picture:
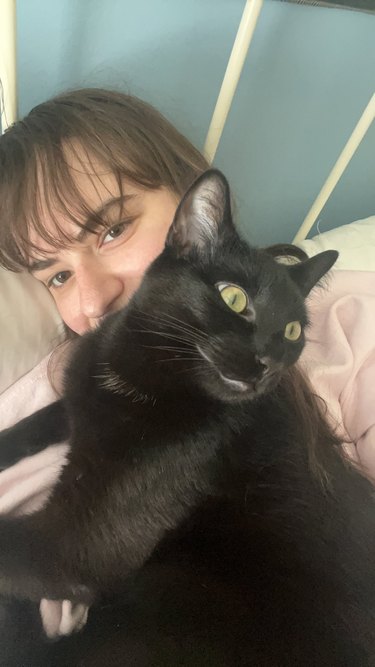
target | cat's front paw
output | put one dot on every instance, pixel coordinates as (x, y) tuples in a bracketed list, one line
[(62, 617)]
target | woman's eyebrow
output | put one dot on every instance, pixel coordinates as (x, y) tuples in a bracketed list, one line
[(41, 264), (89, 227), (93, 221)]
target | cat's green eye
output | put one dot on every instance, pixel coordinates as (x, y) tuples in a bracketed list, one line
[(293, 331), (234, 297)]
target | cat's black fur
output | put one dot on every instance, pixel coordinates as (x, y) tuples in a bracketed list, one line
[(206, 509)]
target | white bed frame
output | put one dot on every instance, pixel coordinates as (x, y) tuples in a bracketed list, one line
[(8, 99), (232, 74)]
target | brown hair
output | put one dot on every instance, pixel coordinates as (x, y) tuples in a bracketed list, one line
[(127, 136)]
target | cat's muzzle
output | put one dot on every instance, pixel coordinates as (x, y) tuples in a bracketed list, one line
[(239, 384)]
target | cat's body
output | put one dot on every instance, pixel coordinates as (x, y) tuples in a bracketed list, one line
[(205, 499)]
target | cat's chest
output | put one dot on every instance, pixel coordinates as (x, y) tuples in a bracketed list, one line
[(148, 461), (129, 433)]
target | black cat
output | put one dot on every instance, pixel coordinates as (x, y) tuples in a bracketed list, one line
[(206, 510)]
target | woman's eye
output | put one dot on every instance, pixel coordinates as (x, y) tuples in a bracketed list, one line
[(235, 298), (59, 279), (293, 331), (114, 232)]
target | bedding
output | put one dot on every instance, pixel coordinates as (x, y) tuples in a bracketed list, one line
[(30, 325), (355, 243), (339, 359)]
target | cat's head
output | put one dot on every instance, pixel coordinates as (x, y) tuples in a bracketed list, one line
[(213, 313)]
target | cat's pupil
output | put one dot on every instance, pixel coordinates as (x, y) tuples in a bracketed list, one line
[(293, 331), (235, 298)]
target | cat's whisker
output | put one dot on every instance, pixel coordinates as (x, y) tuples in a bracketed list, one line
[(115, 384), (167, 317), (182, 334), (170, 348), (186, 325), (170, 359), (178, 325), (163, 334), (198, 367)]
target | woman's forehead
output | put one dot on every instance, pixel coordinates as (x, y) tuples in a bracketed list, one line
[(83, 195), (62, 211), (94, 181)]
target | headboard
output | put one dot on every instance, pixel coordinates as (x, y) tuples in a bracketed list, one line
[(228, 88), (357, 5)]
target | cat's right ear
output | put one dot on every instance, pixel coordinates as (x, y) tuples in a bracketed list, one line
[(202, 217), (307, 274)]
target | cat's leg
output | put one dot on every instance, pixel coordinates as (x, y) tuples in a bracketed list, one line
[(74, 555), (77, 546), (21, 634), (99, 525), (29, 436), (33, 564)]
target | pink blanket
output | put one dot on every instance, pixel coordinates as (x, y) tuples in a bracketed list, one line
[(339, 359)]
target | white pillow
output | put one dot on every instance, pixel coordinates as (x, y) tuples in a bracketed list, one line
[(355, 243), (30, 326)]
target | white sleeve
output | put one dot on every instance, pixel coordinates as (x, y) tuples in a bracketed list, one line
[(28, 394), (25, 486)]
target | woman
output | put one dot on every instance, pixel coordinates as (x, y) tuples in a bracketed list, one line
[(89, 183)]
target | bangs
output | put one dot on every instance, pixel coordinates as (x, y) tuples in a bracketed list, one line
[(88, 133), (47, 191)]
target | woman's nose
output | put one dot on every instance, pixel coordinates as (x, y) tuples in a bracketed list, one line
[(98, 291)]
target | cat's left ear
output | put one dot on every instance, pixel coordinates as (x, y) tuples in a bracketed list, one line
[(308, 273), (203, 216)]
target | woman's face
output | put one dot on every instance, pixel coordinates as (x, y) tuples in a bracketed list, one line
[(98, 273)]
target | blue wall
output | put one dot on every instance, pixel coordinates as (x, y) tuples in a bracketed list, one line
[(309, 74)]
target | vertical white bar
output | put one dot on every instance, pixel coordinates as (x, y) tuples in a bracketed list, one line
[(232, 74), (342, 162), (8, 62)]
